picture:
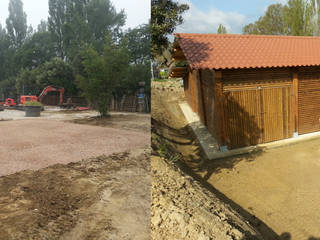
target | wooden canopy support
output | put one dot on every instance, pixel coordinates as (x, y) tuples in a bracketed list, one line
[(178, 72)]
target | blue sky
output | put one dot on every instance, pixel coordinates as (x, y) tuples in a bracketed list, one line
[(206, 15)]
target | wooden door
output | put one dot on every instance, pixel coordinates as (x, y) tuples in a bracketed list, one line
[(309, 102), (257, 114)]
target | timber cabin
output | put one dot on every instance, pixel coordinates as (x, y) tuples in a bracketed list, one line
[(251, 89)]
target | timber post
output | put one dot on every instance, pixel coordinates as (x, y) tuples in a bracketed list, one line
[(219, 101), (295, 103)]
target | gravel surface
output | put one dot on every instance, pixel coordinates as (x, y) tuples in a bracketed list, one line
[(37, 143)]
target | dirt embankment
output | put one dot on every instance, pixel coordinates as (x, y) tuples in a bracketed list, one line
[(183, 208), (98, 198)]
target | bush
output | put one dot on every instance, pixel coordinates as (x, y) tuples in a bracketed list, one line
[(33, 104)]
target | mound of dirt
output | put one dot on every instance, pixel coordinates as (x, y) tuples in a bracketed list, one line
[(182, 209), (100, 198)]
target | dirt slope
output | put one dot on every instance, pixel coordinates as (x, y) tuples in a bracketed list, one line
[(182, 209)]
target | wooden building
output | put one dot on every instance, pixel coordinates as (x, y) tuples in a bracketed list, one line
[(250, 89)]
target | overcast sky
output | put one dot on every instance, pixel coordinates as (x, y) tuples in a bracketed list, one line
[(138, 11), (204, 16)]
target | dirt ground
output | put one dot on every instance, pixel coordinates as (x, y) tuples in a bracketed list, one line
[(276, 190), (95, 199), (34, 144), (101, 197), (182, 209)]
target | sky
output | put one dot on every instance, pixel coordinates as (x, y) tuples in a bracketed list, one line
[(138, 11), (204, 16)]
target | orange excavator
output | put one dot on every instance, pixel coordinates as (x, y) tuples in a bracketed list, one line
[(52, 89), (25, 98)]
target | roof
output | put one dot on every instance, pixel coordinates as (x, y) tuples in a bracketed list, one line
[(227, 51)]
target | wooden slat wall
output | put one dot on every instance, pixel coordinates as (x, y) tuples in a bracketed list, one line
[(257, 106), (193, 93), (207, 77), (243, 124), (309, 100)]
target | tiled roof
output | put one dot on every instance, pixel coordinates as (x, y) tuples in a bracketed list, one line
[(223, 51)]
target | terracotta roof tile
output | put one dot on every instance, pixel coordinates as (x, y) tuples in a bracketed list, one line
[(222, 51)]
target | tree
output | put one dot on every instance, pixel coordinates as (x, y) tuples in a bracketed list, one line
[(43, 26), (103, 19), (56, 21), (74, 23), (165, 16), (103, 74), (139, 44), (272, 23), (298, 17), (222, 29), (35, 51), (294, 18), (16, 23)]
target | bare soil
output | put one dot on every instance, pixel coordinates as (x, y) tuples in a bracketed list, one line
[(100, 197), (129, 121), (34, 144)]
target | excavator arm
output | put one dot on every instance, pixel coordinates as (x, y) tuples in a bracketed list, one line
[(52, 89)]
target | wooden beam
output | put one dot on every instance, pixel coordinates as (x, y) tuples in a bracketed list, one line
[(295, 102), (203, 104), (220, 111)]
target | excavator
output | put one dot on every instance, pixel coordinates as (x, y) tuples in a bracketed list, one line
[(25, 98), (9, 102)]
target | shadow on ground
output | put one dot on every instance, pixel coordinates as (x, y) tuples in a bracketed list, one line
[(191, 160)]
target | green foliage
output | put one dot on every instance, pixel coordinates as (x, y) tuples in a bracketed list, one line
[(164, 74), (222, 29), (272, 22), (54, 72), (165, 16), (16, 23), (139, 44), (35, 51), (294, 18), (74, 23), (33, 104), (297, 16), (58, 51), (103, 74)]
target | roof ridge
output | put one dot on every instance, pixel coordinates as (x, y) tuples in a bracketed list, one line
[(247, 35)]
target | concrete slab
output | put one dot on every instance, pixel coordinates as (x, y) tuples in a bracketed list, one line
[(210, 145)]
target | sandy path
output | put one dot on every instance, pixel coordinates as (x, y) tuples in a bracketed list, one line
[(34, 144)]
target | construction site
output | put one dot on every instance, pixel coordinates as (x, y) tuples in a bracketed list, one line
[(70, 174)]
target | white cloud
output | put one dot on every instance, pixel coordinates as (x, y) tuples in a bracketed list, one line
[(197, 21), (138, 11)]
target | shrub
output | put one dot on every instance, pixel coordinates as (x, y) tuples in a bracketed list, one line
[(33, 103)]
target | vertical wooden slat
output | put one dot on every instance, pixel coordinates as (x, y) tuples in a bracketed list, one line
[(202, 98), (219, 95), (295, 101)]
